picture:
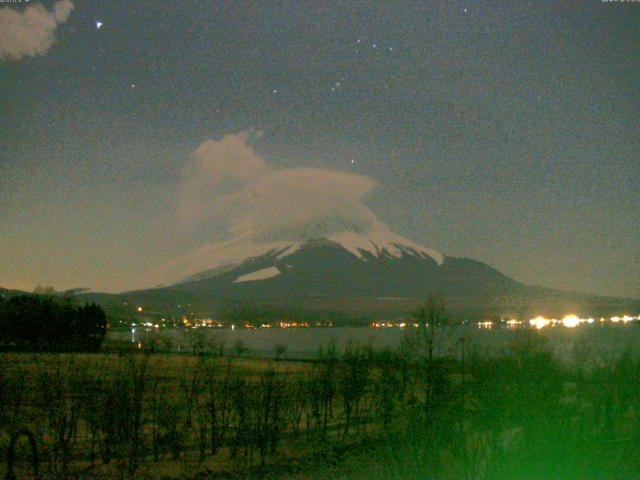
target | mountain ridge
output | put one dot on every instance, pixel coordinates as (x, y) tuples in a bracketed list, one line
[(354, 274), (211, 259), (322, 275)]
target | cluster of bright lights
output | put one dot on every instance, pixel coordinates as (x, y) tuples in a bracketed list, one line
[(286, 324), (514, 323), (207, 323), (271, 325), (485, 325), (289, 325), (393, 324), (568, 321), (572, 321), (624, 319), (539, 322)]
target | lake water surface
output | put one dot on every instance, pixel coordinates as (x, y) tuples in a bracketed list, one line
[(598, 342)]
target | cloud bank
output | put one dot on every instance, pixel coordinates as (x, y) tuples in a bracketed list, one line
[(30, 32), (228, 185)]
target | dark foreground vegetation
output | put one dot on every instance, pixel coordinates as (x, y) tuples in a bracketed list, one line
[(50, 323), (355, 414)]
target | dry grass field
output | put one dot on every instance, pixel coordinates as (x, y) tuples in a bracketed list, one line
[(355, 414)]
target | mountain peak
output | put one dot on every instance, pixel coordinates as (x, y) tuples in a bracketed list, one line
[(213, 259), (382, 240)]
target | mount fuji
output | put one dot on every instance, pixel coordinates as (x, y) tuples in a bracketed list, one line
[(214, 260), (357, 273)]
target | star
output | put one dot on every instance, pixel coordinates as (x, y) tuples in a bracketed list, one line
[(465, 10), (98, 24)]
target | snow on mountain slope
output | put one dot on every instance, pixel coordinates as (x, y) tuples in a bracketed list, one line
[(377, 241), (263, 274), (213, 259)]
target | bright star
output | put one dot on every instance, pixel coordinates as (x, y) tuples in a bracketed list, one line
[(98, 24)]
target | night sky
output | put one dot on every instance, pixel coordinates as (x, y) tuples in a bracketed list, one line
[(507, 132)]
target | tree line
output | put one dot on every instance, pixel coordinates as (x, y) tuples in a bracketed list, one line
[(410, 413), (50, 323), (423, 416)]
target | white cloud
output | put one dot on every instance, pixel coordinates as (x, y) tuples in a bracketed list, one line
[(30, 32), (229, 186), (216, 175)]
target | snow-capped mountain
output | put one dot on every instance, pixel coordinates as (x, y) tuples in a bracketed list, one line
[(349, 268), (357, 273), (214, 259)]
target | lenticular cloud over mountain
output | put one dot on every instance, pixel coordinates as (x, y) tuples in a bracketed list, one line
[(228, 184), (259, 211)]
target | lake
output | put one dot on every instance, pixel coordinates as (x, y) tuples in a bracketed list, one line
[(600, 342)]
